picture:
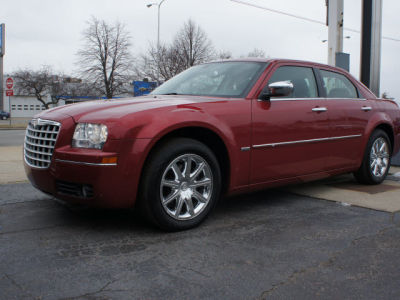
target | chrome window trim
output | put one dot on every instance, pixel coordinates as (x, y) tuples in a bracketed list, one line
[(296, 99), (272, 145), (346, 99), (84, 163), (319, 98)]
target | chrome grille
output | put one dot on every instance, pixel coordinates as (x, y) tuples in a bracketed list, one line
[(40, 139)]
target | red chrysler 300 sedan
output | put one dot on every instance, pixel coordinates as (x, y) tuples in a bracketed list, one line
[(221, 127)]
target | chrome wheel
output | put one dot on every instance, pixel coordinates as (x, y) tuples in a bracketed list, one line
[(379, 157), (186, 186)]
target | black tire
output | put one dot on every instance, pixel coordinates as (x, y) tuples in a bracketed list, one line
[(153, 188), (365, 174), (3, 117)]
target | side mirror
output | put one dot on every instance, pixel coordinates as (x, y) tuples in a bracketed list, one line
[(276, 89)]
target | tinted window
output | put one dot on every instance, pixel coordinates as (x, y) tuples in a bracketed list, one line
[(302, 78), (337, 85)]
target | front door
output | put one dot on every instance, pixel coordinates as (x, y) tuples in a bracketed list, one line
[(288, 133)]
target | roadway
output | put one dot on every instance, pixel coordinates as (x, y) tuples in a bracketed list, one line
[(267, 245)]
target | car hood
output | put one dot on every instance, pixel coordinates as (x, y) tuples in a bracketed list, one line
[(111, 110)]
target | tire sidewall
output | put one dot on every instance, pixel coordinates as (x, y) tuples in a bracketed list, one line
[(159, 161), (376, 135)]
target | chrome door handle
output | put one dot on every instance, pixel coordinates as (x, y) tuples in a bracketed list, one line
[(319, 109), (366, 108)]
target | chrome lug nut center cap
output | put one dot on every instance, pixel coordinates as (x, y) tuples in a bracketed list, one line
[(184, 186)]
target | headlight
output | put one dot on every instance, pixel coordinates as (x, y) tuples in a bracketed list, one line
[(88, 135)]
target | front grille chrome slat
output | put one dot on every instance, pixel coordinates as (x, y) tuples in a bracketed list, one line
[(40, 140)]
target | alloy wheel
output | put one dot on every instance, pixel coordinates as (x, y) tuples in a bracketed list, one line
[(379, 157), (186, 186)]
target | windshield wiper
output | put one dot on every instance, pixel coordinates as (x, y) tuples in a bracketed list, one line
[(170, 94)]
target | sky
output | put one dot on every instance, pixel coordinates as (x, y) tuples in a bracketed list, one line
[(49, 32)]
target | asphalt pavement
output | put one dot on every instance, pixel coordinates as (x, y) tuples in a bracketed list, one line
[(11, 137), (268, 245)]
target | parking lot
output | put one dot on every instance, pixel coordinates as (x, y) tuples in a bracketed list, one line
[(273, 244)]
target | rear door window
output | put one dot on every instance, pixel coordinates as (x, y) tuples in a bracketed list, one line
[(337, 85)]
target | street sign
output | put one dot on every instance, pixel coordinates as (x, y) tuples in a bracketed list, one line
[(9, 93), (9, 83)]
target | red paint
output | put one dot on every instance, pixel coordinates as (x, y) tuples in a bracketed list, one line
[(135, 125), (9, 93)]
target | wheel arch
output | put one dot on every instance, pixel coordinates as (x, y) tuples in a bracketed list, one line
[(204, 135), (387, 128)]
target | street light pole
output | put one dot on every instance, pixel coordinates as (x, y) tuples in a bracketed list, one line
[(158, 33), (158, 20)]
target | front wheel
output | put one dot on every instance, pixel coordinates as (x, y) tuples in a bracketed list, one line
[(181, 184), (376, 161)]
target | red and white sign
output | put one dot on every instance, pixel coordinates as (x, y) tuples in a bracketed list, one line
[(9, 83), (9, 93)]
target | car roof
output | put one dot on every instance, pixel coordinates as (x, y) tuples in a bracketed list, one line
[(280, 60)]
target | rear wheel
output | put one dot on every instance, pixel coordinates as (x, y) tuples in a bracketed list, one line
[(181, 184), (376, 161)]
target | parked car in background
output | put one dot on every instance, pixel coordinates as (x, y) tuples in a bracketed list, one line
[(218, 128), (4, 115)]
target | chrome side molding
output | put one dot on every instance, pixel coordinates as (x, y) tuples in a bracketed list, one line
[(307, 141)]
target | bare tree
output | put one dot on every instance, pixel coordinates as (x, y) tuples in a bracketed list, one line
[(224, 54), (43, 84), (162, 64), (49, 87), (190, 47), (193, 44), (105, 59), (256, 53)]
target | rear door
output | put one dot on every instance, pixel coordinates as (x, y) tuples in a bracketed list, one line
[(348, 113), (287, 132)]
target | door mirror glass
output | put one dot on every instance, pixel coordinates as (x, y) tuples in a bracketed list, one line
[(276, 89)]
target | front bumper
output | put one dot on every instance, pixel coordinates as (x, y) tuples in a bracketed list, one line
[(79, 176)]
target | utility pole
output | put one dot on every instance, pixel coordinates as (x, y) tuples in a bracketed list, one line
[(371, 36), (335, 29), (2, 52)]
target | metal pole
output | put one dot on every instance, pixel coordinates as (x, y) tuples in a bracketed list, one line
[(158, 26), (158, 40), (9, 108), (1, 84), (2, 51), (335, 29), (371, 36)]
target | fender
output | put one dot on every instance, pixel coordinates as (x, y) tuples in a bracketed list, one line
[(234, 133)]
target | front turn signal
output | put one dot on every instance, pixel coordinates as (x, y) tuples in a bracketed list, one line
[(109, 160)]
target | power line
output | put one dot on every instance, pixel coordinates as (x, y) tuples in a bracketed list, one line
[(303, 18)]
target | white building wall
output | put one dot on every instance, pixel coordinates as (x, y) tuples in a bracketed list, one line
[(24, 106)]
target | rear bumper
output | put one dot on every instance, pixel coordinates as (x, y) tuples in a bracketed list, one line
[(78, 175)]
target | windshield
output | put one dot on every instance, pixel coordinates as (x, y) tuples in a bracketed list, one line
[(222, 79)]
